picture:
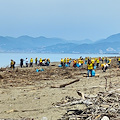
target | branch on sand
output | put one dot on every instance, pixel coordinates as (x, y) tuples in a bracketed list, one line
[(63, 85)]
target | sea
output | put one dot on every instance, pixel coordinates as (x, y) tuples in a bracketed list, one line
[(5, 58)]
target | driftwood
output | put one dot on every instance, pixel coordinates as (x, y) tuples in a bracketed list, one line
[(104, 105), (96, 75), (86, 102), (10, 111), (63, 85)]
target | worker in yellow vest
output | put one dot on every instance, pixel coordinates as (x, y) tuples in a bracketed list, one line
[(65, 61), (12, 64), (97, 63), (62, 61), (36, 60), (119, 60), (93, 62), (86, 60), (102, 59), (109, 62), (82, 62), (89, 68), (74, 63), (40, 62), (31, 62)]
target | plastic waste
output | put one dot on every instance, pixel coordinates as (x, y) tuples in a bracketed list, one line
[(94, 67), (77, 65), (66, 65), (44, 118), (93, 73), (41, 69), (59, 65), (37, 70)]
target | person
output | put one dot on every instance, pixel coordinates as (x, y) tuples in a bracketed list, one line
[(86, 60), (68, 62), (21, 62), (102, 59), (109, 62), (12, 64), (89, 68), (79, 62), (26, 61), (105, 59), (119, 60), (74, 63), (82, 62), (47, 62), (93, 62), (31, 62), (62, 60), (97, 63), (36, 61), (40, 62), (104, 67)]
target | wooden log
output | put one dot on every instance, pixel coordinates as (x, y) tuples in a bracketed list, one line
[(96, 75), (63, 85)]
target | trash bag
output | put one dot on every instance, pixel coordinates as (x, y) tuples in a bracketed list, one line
[(93, 73), (66, 65), (77, 65), (94, 67), (37, 70), (59, 65)]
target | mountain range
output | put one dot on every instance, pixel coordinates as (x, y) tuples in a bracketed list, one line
[(42, 44)]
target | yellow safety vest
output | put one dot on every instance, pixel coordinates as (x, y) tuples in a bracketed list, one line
[(97, 60), (118, 59), (67, 60), (40, 60), (31, 60), (62, 60), (90, 66)]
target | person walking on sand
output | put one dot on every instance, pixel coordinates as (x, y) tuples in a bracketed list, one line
[(31, 62), (104, 67), (97, 63), (40, 62), (89, 68), (12, 64), (21, 62), (65, 61), (62, 62), (26, 61), (36, 61)]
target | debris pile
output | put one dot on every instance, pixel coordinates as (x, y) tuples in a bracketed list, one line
[(103, 105)]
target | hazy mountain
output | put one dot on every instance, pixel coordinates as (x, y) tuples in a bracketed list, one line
[(87, 41), (57, 45), (112, 38)]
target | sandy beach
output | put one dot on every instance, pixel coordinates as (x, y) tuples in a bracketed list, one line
[(25, 93)]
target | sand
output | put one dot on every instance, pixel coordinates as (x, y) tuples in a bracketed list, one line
[(25, 93)]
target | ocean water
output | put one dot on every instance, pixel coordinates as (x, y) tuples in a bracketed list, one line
[(6, 57)]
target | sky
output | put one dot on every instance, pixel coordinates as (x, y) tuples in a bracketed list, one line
[(67, 19)]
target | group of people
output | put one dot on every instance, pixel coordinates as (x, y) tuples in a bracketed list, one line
[(40, 62), (65, 62), (91, 63)]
